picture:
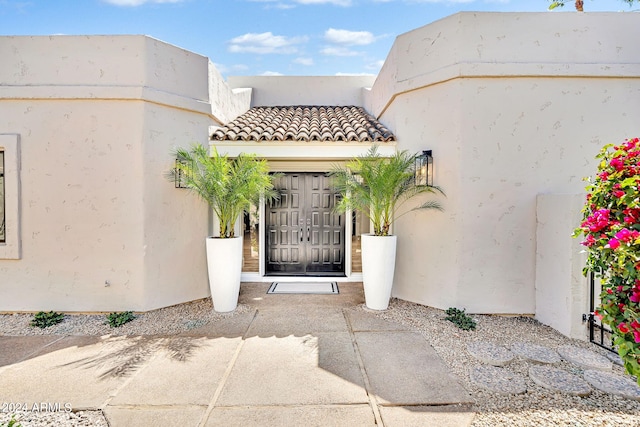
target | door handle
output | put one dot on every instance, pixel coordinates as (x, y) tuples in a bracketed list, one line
[(308, 233), (301, 234)]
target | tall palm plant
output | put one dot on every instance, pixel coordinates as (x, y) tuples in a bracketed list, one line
[(380, 186), (228, 185)]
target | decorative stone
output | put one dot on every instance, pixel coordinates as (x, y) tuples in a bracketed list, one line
[(615, 358), (535, 353), (498, 380), (558, 380), (586, 359), (613, 384), (489, 353)]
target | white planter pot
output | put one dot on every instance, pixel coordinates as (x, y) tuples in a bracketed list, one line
[(224, 261), (378, 266)]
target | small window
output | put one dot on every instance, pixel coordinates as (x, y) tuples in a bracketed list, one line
[(3, 237), (10, 243)]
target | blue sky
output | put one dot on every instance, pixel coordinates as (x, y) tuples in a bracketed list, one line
[(262, 37)]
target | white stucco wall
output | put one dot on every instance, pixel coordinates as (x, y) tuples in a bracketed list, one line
[(561, 289), (304, 90), (97, 118), (512, 105)]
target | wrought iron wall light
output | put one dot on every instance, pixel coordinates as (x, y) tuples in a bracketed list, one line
[(179, 175), (424, 168)]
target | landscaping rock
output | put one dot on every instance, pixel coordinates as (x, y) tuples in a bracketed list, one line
[(614, 384), (615, 358), (586, 359), (535, 353), (489, 353), (559, 380)]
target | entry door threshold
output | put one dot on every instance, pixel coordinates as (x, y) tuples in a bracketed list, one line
[(256, 277)]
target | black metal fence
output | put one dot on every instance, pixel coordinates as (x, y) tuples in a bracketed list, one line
[(599, 334)]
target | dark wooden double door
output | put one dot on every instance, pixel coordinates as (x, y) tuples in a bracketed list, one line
[(304, 236)]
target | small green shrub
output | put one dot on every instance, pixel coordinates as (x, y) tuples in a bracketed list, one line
[(12, 423), (460, 319), (44, 320), (118, 319)]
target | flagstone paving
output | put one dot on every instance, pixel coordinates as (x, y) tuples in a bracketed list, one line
[(558, 380), (613, 384), (494, 377), (584, 358), (490, 353), (535, 353), (615, 358)]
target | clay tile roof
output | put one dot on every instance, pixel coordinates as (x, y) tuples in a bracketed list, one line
[(305, 123)]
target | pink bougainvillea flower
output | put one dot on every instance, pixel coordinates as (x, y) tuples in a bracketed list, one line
[(630, 144), (598, 315), (589, 241), (623, 235), (611, 232), (622, 327), (597, 221), (617, 163)]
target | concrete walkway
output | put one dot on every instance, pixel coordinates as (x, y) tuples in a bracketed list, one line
[(311, 360)]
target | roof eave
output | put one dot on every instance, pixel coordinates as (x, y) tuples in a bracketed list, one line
[(296, 150)]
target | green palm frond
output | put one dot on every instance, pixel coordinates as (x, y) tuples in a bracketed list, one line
[(228, 185), (379, 186)]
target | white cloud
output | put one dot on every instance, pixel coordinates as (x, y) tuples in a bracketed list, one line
[(303, 61), (134, 3), (338, 51), (264, 43), (349, 38), (271, 73)]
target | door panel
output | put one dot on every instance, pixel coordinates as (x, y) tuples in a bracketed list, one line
[(304, 235)]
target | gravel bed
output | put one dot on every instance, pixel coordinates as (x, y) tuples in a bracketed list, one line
[(538, 406), (56, 419), (165, 321)]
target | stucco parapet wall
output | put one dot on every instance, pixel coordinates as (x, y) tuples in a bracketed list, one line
[(226, 103), (503, 45), (122, 93), (270, 91), (116, 67)]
